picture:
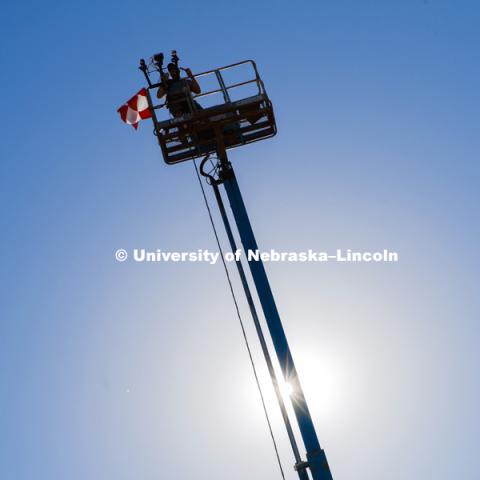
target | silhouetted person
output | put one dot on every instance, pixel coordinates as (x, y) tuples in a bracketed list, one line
[(179, 99)]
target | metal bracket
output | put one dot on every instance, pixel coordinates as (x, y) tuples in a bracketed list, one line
[(303, 465)]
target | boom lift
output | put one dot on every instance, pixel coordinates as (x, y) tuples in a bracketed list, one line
[(240, 113)]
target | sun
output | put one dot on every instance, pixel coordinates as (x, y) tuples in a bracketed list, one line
[(287, 390)]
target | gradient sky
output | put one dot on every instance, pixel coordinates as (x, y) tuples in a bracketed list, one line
[(138, 371)]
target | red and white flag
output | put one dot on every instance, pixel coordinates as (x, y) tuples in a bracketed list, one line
[(135, 109)]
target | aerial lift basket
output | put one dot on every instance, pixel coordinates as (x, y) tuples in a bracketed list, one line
[(219, 118)]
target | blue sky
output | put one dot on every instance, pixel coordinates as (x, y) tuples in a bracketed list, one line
[(137, 370)]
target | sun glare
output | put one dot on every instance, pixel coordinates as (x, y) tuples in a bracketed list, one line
[(323, 380), (286, 389)]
